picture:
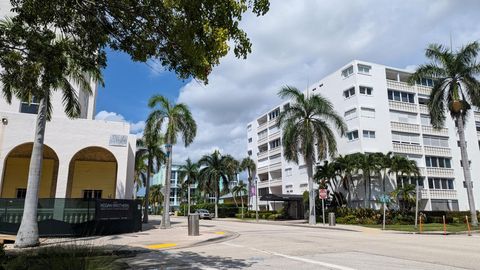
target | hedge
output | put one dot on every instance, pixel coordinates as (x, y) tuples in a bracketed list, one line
[(224, 210)]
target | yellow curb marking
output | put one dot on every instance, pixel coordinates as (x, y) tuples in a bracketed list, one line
[(219, 232), (159, 246)]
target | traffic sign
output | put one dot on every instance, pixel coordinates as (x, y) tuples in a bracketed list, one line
[(384, 198), (322, 193)]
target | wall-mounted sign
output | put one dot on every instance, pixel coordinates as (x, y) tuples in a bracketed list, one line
[(118, 140)]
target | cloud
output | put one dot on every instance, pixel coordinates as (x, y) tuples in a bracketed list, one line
[(298, 44), (156, 68), (136, 128)]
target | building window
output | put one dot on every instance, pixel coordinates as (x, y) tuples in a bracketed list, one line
[(438, 162), (286, 106), (349, 92), (401, 96), (352, 135), (347, 72), (440, 183), (425, 120), (364, 69), (250, 140), (368, 112), (303, 185), (426, 82), (288, 172), (405, 138), (249, 127), (274, 143), (92, 194), (365, 90), (30, 107), (369, 134), (249, 152), (273, 114), (403, 117), (477, 125), (262, 134), (403, 181), (422, 100), (302, 169), (174, 175), (21, 193), (351, 114), (435, 141)]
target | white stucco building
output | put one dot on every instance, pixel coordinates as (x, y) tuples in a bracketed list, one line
[(383, 113)]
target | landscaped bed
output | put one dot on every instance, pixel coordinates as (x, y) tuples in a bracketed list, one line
[(429, 227)]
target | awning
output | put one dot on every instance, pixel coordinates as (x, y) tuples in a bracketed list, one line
[(281, 197)]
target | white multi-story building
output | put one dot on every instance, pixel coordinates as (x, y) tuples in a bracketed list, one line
[(383, 113)]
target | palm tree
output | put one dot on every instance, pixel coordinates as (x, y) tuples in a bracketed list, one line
[(188, 173), (368, 164), (35, 64), (149, 151), (456, 88), (140, 174), (156, 197), (345, 166), (249, 165), (216, 174), (240, 189), (405, 196), (306, 131), (178, 121)]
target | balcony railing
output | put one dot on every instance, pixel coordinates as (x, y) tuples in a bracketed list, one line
[(440, 172), (407, 148), (262, 126), (438, 151), (438, 194), (434, 131), (262, 169), (276, 150), (276, 182), (405, 127), (263, 154), (425, 90), (423, 109), (403, 106), (402, 86)]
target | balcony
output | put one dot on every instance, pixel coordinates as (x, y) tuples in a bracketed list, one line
[(263, 154), (263, 169), (275, 134), (437, 151), (262, 126), (272, 122), (439, 194), (275, 182), (440, 172), (402, 106), (425, 90), (424, 109), (477, 116), (478, 133), (405, 127), (407, 148), (401, 86), (434, 131), (262, 139), (276, 150), (275, 167), (262, 184)]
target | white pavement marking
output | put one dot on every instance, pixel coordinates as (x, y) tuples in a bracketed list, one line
[(325, 264)]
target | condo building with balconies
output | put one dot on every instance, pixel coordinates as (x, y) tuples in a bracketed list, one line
[(384, 113)]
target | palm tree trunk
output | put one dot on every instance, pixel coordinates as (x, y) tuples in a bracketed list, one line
[(365, 180), (234, 199), (147, 191), (166, 201), (249, 189), (188, 195), (216, 204), (312, 220), (466, 171), (242, 204), (27, 235)]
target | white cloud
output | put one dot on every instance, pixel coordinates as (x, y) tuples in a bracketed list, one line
[(299, 43), (136, 128)]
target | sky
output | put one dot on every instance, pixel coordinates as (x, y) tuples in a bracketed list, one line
[(296, 43)]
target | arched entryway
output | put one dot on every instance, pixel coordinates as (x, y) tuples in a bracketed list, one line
[(15, 173), (92, 174)]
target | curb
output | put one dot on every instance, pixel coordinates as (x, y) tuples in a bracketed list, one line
[(295, 225)]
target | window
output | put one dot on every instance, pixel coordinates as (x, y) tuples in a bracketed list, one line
[(369, 134), (364, 69), (477, 125), (351, 114), (422, 100), (262, 134), (440, 183), (249, 140), (403, 117), (426, 82), (302, 169), (437, 162), (249, 127), (347, 72), (303, 185), (349, 92), (288, 172), (365, 90), (273, 114), (21, 193), (435, 141), (249, 152), (92, 194), (368, 112), (30, 106), (352, 135), (403, 181), (174, 175), (425, 120), (401, 96), (286, 106), (274, 143), (405, 138)]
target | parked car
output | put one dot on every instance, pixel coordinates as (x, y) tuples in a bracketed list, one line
[(204, 214)]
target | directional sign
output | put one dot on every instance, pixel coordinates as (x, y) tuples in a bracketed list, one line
[(322, 193), (384, 198)]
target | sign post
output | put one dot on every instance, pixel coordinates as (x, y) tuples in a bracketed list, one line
[(322, 194), (384, 199)]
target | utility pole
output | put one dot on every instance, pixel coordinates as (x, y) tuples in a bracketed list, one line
[(416, 203)]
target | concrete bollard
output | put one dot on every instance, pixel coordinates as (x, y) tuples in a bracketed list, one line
[(331, 219), (193, 225)]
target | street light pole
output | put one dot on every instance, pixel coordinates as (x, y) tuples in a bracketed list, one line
[(256, 199), (416, 203)]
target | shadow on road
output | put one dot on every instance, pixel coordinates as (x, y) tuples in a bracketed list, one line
[(155, 224)]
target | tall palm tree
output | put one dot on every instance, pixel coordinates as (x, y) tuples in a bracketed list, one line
[(306, 131), (345, 166), (456, 88), (178, 121), (140, 174), (240, 189), (367, 164), (188, 173), (35, 64), (156, 197), (216, 174), (405, 196), (149, 150), (249, 165)]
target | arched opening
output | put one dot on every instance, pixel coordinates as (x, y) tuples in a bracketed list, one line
[(92, 174), (15, 173)]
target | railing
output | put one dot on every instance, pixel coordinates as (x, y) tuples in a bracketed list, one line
[(423, 109), (262, 169), (407, 148), (477, 116), (263, 154), (402, 106), (276, 150), (262, 126), (405, 127), (425, 90), (434, 131), (262, 184), (402, 86), (276, 166), (275, 182), (438, 151), (438, 194), (274, 134), (440, 172)]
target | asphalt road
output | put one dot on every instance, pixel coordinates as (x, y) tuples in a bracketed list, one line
[(266, 246)]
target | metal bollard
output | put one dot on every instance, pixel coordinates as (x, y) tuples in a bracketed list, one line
[(193, 225), (331, 219)]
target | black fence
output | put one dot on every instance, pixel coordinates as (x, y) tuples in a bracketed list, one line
[(75, 217)]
